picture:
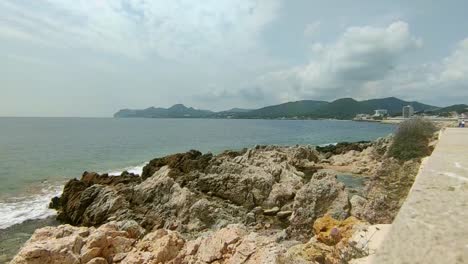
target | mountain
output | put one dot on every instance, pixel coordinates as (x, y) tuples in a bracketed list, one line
[(459, 108), (344, 108), (233, 112), (395, 105), (290, 109), (175, 111), (237, 110), (347, 108)]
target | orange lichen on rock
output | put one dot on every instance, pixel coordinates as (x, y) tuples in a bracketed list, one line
[(331, 231)]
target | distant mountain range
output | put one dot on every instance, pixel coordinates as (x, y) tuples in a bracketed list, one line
[(345, 108), (175, 111)]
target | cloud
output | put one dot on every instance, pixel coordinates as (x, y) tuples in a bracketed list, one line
[(312, 29), (455, 66), (350, 66), (173, 30), (250, 96), (439, 81)]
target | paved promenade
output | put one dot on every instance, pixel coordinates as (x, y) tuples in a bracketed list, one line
[(432, 225)]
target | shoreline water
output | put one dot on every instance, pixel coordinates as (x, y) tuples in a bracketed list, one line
[(16, 210)]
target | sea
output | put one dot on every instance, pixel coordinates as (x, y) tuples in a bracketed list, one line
[(38, 155)]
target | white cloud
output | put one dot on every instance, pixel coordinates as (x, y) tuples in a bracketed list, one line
[(351, 66), (174, 30), (455, 66), (440, 81)]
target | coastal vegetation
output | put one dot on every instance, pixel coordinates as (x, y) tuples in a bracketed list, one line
[(412, 139)]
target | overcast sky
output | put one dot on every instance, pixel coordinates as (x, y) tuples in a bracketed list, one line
[(93, 57)]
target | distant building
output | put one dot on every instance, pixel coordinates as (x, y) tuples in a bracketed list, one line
[(408, 111), (362, 117), (381, 112)]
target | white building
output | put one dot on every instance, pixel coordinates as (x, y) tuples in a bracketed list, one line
[(381, 112), (408, 111)]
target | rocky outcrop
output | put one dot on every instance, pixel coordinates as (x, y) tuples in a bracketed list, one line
[(344, 147), (179, 163), (321, 195), (358, 158), (265, 186), (68, 244), (126, 242)]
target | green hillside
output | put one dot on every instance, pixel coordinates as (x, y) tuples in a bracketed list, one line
[(345, 108), (290, 109)]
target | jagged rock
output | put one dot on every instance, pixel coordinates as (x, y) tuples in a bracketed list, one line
[(179, 163), (344, 147), (357, 206), (322, 195), (192, 192), (160, 246), (68, 244)]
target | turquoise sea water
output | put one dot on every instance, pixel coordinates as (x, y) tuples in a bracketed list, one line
[(37, 155)]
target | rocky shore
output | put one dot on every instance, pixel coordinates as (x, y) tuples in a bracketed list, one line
[(267, 204)]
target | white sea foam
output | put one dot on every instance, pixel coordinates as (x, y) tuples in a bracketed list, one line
[(135, 170), (16, 210), (328, 144), (19, 209)]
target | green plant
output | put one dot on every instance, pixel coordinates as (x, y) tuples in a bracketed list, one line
[(412, 139)]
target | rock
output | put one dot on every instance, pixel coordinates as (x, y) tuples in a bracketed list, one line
[(52, 245), (284, 214), (89, 254), (344, 147), (387, 189), (311, 252), (55, 203), (179, 163), (303, 153), (330, 231), (160, 246), (215, 246), (322, 195), (67, 244), (357, 206), (97, 261), (272, 211), (191, 192)]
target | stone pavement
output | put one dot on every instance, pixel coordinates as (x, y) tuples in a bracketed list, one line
[(432, 225)]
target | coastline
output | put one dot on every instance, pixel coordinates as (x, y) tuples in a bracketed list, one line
[(357, 157), (280, 183)]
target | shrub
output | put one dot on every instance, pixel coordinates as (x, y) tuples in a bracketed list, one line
[(412, 139)]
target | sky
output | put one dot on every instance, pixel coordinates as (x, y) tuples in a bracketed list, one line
[(93, 57)]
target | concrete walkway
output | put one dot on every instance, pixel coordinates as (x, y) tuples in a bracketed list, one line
[(432, 225)]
